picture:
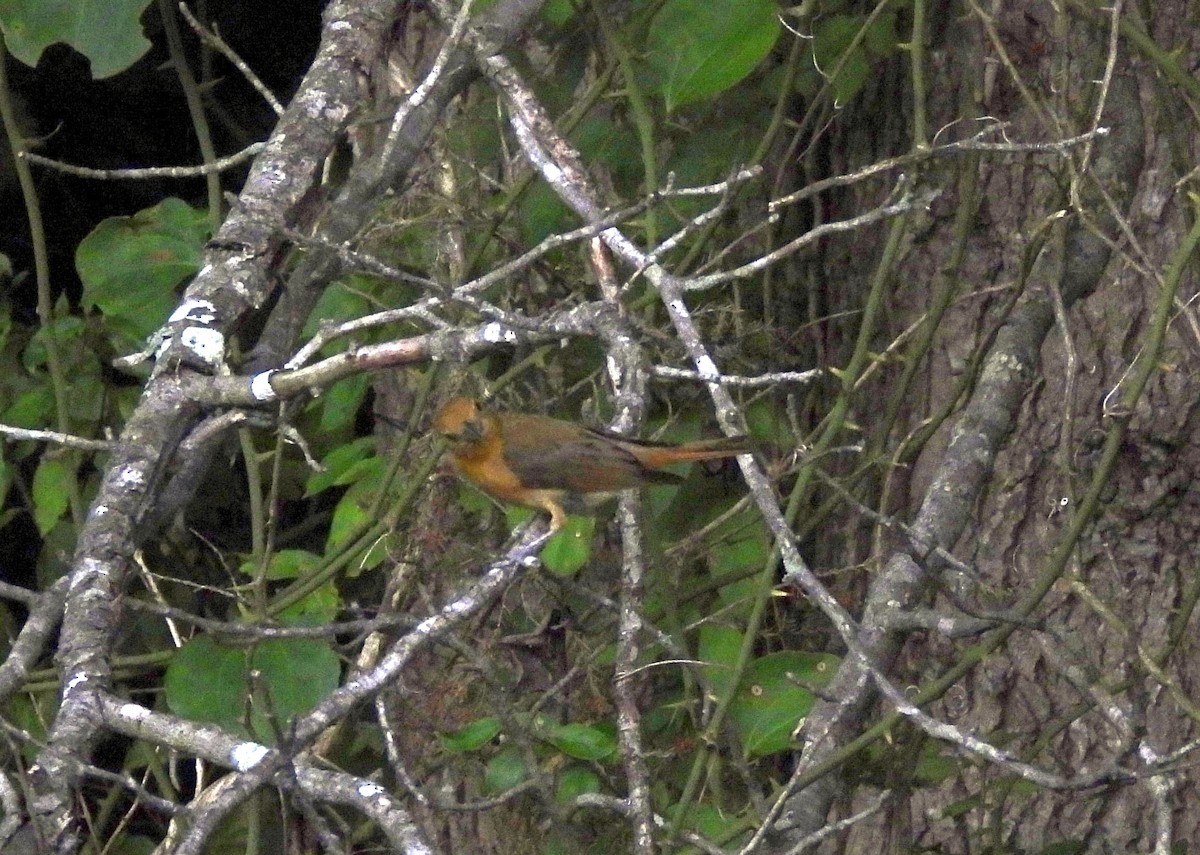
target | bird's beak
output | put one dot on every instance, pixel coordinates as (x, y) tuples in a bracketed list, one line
[(472, 431)]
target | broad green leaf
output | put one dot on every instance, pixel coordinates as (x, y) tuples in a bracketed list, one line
[(962, 807), (472, 736), (831, 38), (285, 564), (504, 771), (705, 156), (316, 608), (542, 213), (719, 649), (600, 139), (769, 423), (297, 674), (107, 32), (130, 266), (558, 12), (343, 465), (771, 700), (68, 335), (715, 823), (33, 408), (933, 766), (699, 48), (574, 782), (571, 548), (341, 301), (209, 681), (30, 713), (741, 547), (582, 741), (54, 558), (657, 501), (881, 40), (52, 482), (206, 681), (350, 517), (341, 402), (65, 331)]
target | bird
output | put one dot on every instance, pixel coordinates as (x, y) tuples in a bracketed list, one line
[(550, 465)]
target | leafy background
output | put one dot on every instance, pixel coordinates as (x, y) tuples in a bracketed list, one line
[(680, 92)]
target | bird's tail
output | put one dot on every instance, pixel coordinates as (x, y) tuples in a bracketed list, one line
[(654, 456)]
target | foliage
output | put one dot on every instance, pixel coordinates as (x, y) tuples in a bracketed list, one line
[(106, 31), (292, 572)]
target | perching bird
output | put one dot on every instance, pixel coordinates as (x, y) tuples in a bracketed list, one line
[(549, 464)]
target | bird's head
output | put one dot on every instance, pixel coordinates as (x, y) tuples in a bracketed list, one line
[(459, 421)]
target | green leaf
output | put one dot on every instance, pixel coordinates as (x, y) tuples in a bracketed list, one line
[(771, 700), (64, 333), (131, 844), (350, 516), (285, 564), (933, 766), (705, 156), (740, 547), (582, 741), (340, 302), (570, 548), (542, 213), (471, 737), (52, 483), (558, 12), (575, 782), (316, 608), (210, 682), (769, 423), (130, 266), (297, 674), (68, 336), (343, 465), (30, 713), (341, 402), (831, 39), (962, 807), (54, 558), (743, 546), (719, 649), (504, 771), (716, 823), (600, 139), (107, 32), (206, 681), (881, 40), (699, 48)]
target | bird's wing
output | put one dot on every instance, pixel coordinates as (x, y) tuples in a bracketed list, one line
[(547, 454)]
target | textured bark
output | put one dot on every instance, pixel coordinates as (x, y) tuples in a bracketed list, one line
[(1135, 558)]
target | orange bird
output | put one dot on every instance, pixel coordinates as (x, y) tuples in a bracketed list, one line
[(546, 464)]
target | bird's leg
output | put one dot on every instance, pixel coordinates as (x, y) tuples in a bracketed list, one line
[(558, 516)]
